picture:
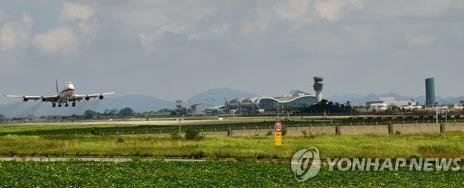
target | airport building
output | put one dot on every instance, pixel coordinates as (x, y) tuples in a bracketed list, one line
[(389, 102), (293, 101), (199, 109)]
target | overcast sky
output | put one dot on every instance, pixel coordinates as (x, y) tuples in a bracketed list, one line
[(173, 49)]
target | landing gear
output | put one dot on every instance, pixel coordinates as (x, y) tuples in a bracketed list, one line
[(66, 105), (59, 105), (53, 105), (73, 104)]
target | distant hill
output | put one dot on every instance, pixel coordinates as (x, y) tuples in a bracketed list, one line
[(139, 103), (218, 95), (361, 99)]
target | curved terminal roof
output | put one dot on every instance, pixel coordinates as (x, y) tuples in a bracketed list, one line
[(295, 99)]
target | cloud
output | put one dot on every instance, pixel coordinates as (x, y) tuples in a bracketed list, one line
[(411, 9), (148, 40), (294, 10), (149, 22), (81, 17), (74, 11), (58, 40), (15, 35), (77, 26), (332, 10)]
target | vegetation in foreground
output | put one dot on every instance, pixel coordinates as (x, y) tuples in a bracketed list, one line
[(218, 147), (204, 174)]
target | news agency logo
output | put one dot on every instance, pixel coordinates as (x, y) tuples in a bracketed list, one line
[(306, 164)]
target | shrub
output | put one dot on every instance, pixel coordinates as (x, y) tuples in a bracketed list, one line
[(198, 154), (95, 131), (304, 132), (269, 133), (284, 131), (120, 140), (192, 134), (175, 135)]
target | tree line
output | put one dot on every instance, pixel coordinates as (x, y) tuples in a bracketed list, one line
[(330, 107)]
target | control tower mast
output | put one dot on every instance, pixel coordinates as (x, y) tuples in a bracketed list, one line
[(318, 86)]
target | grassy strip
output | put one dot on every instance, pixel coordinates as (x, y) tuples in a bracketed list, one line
[(218, 147), (138, 129), (119, 129), (204, 174)]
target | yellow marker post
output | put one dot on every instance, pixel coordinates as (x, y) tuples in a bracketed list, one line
[(278, 138), (278, 126)]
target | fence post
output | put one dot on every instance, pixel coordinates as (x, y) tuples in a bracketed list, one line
[(337, 130), (390, 128), (442, 128)]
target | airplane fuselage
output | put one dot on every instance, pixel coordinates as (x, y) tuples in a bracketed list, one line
[(67, 93)]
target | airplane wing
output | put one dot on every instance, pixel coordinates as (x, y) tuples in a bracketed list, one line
[(34, 98), (92, 96)]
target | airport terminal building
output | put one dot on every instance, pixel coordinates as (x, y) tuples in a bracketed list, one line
[(293, 101)]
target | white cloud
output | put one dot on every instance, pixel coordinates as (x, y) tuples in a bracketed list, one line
[(411, 8), (59, 40), (81, 17), (294, 10), (148, 22), (148, 40), (332, 10), (74, 11), (15, 35)]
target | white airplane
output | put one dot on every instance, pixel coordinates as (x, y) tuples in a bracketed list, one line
[(66, 96)]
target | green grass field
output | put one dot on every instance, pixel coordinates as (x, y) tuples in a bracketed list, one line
[(158, 126), (257, 162), (218, 147), (204, 174)]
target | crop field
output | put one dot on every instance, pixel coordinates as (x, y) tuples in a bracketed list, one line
[(204, 174)]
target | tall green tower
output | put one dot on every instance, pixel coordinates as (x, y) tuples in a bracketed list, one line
[(430, 92)]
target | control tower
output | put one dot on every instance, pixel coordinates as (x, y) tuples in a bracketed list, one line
[(318, 85)]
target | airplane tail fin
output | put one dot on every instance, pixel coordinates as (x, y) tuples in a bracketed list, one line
[(57, 92)]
